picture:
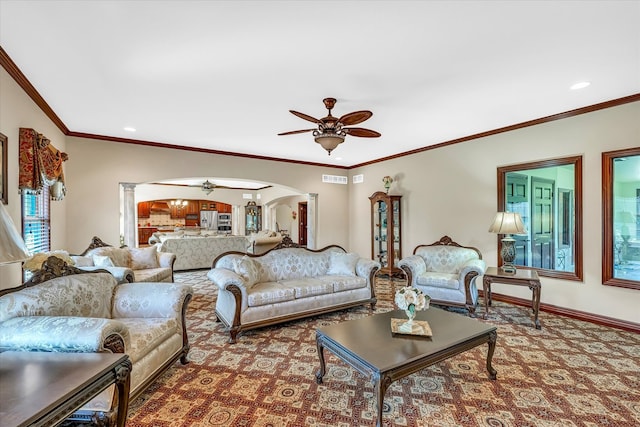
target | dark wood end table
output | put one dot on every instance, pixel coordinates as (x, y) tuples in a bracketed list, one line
[(369, 346), (521, 277), (38, 388)]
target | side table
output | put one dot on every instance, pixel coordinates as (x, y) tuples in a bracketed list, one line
[(42, 389), (521, 277)]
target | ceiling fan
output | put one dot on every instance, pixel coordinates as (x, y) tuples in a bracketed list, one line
[(331, 130)]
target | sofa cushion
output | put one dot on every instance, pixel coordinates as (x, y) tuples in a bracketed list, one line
[(342, 264), (147, 334), (152, 275), (439, 280), (446, 259), (344, 283), (269, 293), (308, 287), (120, 257), (144, 258), (249, 270)]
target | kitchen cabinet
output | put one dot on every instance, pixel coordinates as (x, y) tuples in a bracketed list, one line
[(144, 209), (386, 232), (144, 233)]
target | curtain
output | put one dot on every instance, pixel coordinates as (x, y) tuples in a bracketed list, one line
[(40, 164)]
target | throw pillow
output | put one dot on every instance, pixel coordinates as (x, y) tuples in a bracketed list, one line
[(341, 264), (82, 261), (144, 258), (120, 257), (102, 261), (248, 269)]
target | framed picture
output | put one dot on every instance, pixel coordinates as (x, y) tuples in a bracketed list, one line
[(3, 175)]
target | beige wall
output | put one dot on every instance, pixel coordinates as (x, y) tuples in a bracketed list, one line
[(452, 191), (18, 110), (98, 167)]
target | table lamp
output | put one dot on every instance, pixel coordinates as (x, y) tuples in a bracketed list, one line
[(508, 223)]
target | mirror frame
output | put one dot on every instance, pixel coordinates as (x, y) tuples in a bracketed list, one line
[(608, 159), (576, 161)]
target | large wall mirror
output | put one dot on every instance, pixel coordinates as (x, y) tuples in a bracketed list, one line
[(621, 218), (548, 196)]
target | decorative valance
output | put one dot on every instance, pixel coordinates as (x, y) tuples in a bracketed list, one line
[(40, 164)]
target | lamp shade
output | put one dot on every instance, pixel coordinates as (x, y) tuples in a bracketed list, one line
[(12, 247), (329, 141), (507, 223)]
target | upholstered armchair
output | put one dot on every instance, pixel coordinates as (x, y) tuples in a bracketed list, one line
[(64, 309), (446, 271)]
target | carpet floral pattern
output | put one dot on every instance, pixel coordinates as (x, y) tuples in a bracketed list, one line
[(569, 373)]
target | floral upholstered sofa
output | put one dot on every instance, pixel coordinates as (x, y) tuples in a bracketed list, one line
[(127, 264), (198, 252), (289, 282), (69, 310), (446, 271)]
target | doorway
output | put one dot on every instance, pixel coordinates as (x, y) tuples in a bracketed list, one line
[(302, 224)]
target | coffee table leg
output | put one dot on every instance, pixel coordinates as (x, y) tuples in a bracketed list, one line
[(322, 371), (493, 337), (123, 382)]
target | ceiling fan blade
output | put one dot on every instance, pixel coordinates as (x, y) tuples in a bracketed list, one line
[(355, 117), (362, 132), (305, 116), (296, 131)]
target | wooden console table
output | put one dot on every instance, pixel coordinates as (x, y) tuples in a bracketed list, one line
[(521, 277), (43, 389)]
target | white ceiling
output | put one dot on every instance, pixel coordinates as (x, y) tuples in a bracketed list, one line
[(223, 74)]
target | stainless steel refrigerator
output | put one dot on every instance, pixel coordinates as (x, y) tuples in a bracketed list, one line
[(209, 220)]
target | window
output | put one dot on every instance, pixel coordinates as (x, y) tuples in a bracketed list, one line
[(36, 224), (548, 197), (621, 218)]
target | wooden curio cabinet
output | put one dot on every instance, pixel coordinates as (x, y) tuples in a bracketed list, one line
[(386, 232), (253, 218)]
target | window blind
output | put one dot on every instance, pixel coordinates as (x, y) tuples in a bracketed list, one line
[(36, 225)]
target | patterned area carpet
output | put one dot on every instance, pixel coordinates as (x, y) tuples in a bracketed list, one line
[(570, 373)]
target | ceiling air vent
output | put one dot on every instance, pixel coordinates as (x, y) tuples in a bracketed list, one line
[(334, 179)]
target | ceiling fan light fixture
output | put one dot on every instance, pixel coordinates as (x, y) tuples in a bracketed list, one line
[(208, 187), (329, 141)]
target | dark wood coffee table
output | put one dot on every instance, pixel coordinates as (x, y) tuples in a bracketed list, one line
[(369, 346), (38, 388)]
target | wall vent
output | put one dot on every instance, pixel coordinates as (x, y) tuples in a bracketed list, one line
[(247, 196), (358, 179), (334, 179)]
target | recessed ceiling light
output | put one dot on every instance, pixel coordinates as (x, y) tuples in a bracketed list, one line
[(580, 85), (338, 158), (130, 129)]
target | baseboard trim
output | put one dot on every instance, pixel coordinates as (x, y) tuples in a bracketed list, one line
[(575, 314)]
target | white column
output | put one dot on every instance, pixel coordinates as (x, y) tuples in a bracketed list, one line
[(312, 220), (129, 214)]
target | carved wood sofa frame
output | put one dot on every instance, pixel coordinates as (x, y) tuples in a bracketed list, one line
[(236, 327)]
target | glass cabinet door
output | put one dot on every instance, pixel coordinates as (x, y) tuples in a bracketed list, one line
[(386, 231)]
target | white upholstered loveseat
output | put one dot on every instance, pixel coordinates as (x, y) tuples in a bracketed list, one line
[(446, 271), (127, 264), (289, 282), (69, 310)]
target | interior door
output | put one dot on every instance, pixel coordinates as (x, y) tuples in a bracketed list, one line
[(517, 188), (302, 223), (542, 250)]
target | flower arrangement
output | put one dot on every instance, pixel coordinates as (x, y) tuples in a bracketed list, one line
[(411, 299), (35, 261), (387, 180)]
